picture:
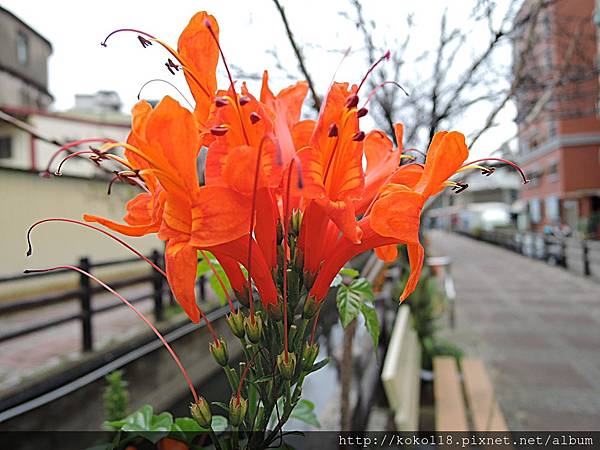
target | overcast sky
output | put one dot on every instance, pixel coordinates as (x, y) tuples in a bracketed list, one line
[(249, 30)]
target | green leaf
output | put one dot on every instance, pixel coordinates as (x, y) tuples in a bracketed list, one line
[(186, 429), (223, 406), (204, 269), (349, 272), (219, 424), (319, 365), (371, 322), (348, 304), (363, 286), (305, 412), (145, 424)]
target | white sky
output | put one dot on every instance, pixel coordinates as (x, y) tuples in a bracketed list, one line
[(249, 29)]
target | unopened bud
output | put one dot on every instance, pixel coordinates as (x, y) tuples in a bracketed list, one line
[(201, 413), (274, 311), (253, 325), (286, 366), (309, 355), (237, 410), (219, 351), (296, 222), (243, 296), (309, 279), (299, 260), (235, 320), (311, 306)]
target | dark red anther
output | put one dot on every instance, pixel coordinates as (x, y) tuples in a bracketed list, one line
[(333, 130), (207, 24), (219, 130), (459, 187), (358, 137), (244, 100), (487, 171), (145, 42), (362, 112), (220, 102), (352, 101), (387, 55), (254, 117), (170, 68)]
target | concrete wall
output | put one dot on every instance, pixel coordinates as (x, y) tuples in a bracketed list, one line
[(26, 198)]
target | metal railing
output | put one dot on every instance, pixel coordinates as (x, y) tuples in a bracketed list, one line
[(84, 294)]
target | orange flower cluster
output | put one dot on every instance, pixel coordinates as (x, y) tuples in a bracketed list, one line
[(270, 177)]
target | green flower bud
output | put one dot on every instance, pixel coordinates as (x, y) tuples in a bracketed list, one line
[(279, 232), (309, 279), (253, 328), (201, 413), (311, 306), (296, 222), (309, 355), (243, 297), (274, 310), (286, 368), (237, 410), (299, 260), (235, 321), (219, 351)]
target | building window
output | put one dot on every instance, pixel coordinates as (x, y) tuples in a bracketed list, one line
[(22, 48), (553, 172), (5, 147), (551, 209), (535, 210)]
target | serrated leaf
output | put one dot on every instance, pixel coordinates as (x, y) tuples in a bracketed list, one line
[(371, 322), (349, 272), (144, 423), (305, 412), (348, 304), (363, 286), (186, 429)]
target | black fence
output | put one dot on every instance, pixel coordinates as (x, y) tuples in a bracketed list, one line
[(580, 256), (84, 294)]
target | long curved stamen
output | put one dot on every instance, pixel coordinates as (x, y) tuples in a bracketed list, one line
[(504, 161), (374, 91), (134, 309), (208, 325), (219, 279), (87, 225), (125, 30), (100, 155), (167, 82), (385, 57), (74, 144)]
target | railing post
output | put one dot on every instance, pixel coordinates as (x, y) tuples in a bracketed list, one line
[(85, 297), (157, 285)]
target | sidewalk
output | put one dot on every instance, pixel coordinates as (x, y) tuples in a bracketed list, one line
[(537, 327)]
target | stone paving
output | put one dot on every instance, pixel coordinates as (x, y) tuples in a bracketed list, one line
[(537, 327)]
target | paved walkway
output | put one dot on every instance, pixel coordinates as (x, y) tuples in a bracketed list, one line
[(536, 326)]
